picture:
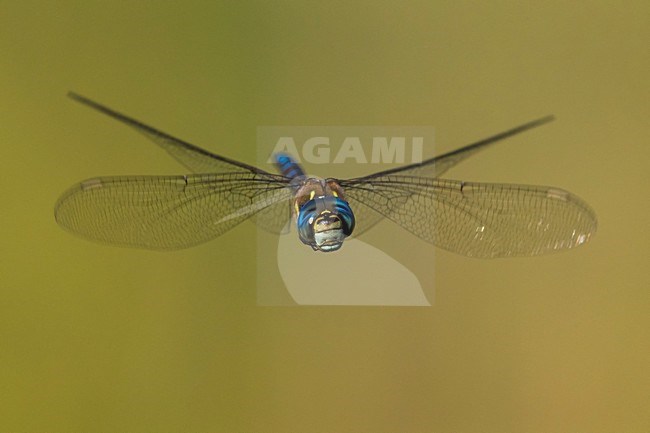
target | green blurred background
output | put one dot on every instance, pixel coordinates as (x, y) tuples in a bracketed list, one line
[(103, 339)]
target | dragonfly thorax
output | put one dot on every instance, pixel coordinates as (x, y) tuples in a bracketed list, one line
[(323, 218)]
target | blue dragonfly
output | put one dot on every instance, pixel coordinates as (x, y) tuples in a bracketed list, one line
[(485, 220)]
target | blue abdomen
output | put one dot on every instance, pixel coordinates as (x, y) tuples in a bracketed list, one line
[(288, 166)]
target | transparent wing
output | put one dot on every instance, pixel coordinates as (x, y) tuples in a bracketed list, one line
[(276, 217), (479, 219), (365, 217), (166, 212), (198, 160), (438, 165)]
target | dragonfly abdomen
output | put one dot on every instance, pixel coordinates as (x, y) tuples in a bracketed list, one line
[(287, 166)]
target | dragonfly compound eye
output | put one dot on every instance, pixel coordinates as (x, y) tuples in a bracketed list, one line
[(324, 223)]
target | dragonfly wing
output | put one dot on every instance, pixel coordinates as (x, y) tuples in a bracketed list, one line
[(365, 218), (480, 219), (165, 212), (196, 159), (371, 204), (276, 217), (438, 165)]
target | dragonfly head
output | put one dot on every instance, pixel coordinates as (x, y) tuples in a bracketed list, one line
[(324, 223)]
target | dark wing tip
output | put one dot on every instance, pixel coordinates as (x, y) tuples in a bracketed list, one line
[(538, 122), (89, 102)]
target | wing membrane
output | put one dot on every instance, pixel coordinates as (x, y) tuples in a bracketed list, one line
[(438, 165), (196, 159), (480, 219), (166, 212)]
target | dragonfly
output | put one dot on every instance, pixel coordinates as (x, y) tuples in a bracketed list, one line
[(483, 220)]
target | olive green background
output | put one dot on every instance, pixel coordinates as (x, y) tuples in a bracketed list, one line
[(103, 339)]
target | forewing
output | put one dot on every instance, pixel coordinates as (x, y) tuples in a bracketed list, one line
[(165, 212), (480, 219), (371, 201), (365, 218), (438, 165), (198, 160)]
